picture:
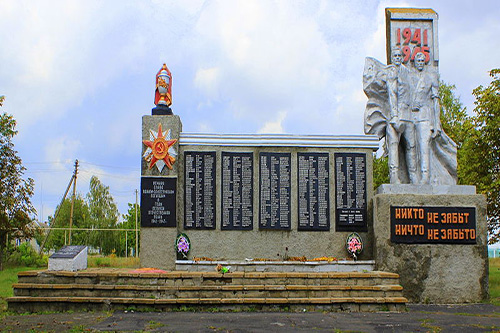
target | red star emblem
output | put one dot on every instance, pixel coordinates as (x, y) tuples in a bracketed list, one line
[(160, 149)]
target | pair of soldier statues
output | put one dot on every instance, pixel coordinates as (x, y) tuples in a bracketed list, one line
[(403, 107)]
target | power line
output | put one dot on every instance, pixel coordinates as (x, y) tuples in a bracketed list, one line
[(83, 162), (92, 172), (112, 166), (45, 171), (86, 229), (50, 162)]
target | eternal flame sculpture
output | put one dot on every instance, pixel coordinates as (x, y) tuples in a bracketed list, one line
[(163, 93), (403, 107)]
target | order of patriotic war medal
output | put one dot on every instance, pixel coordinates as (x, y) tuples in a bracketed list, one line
[(160, 151)]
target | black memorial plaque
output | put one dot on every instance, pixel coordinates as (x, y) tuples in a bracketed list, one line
[(433, 225), (350, 192), (199, 190), (313, 191), (237, 191), (274, 191), (158, 202), (68, 252)]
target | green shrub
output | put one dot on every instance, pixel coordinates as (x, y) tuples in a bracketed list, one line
[(25, 255), (102, 262)]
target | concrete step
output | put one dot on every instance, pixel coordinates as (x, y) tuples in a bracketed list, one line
[(112, 276), (37, 304), (211, 291), (95, 289)]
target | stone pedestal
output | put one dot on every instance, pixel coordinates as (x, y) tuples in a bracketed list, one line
[(434, 272), (69, 258), (159, 216)]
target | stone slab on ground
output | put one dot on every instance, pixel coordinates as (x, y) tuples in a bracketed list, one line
[(69, 258)]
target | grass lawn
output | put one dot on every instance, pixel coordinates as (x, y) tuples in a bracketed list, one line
[(8, 277), (113, 261), (495, 281)]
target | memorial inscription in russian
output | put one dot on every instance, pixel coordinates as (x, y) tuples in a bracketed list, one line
[(313, 191), (158, 202), (350, 192), (274, 191), (237, 191), (199, 190), (443, 225)]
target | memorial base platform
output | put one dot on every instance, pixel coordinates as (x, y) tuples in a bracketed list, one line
[(278, 266), (113, 289), (437, 243)]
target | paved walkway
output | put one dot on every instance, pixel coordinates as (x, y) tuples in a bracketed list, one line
[(419, 318)]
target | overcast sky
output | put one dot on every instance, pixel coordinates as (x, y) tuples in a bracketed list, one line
[(79, 75)]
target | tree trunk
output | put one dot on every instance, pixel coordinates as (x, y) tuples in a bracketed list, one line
[(3, 245)]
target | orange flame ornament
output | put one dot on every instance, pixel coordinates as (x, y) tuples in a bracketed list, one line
[(163, 93)]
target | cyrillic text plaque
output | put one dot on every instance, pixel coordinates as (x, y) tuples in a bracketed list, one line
[(237, 191), (274, 191), (350, 192), (199, 190), (313, 191), (158, 202), (431, 225)]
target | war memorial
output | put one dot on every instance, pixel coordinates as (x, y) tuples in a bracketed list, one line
[(294, 219)]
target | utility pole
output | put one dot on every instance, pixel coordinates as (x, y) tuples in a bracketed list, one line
[(136, 230), (57, 213), (72, 200)]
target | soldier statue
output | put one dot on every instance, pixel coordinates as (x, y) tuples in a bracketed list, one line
[(403, 108)]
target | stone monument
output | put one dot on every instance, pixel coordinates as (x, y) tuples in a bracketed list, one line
[(403, 106), (426, 228), (243, 197), (159, 174)]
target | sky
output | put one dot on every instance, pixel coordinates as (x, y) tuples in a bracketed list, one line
[(79, 75)]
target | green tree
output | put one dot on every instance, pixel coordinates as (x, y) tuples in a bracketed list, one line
[(460, 128), (380, 171), (129, 223), (81, 219), (103, 215), (16, 209), (486, 146)]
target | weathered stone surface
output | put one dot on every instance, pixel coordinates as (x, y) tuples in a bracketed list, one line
[(435, 273), (157, 248), (115, 288)]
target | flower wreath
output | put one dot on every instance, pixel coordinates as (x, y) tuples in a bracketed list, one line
[(354, 245), (182, 244)]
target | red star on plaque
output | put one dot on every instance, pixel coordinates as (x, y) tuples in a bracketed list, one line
[(160, 151)]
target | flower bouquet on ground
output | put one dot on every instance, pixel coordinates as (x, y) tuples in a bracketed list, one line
[(182, 246), (354, 245)]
